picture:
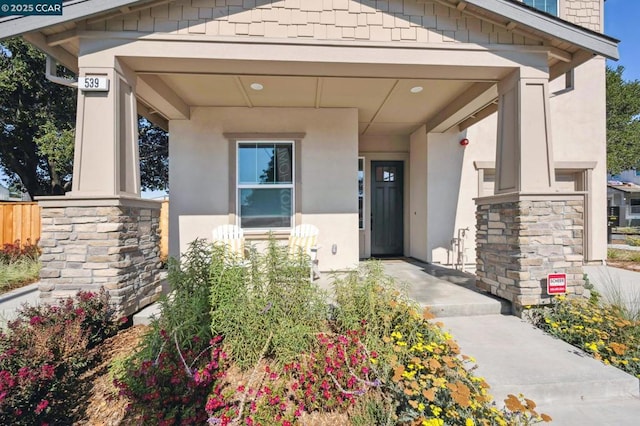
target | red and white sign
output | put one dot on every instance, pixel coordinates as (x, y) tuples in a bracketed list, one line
[(556, 284)]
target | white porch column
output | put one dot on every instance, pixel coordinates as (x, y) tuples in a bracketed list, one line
[(527, 229), (102, 234), (524, 156), (106, 159)]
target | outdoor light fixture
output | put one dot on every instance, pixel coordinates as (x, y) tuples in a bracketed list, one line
[(464, 142), (416, 89), (257, 86)]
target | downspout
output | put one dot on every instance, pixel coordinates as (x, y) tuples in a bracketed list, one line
[(51, 74)]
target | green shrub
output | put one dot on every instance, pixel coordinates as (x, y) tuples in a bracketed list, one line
[(159, 378), (266, 307)]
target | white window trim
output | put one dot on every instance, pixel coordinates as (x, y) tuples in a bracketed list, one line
[(238, 186)]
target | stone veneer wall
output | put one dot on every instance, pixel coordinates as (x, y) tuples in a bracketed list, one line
[(520, 241), (112, 246)]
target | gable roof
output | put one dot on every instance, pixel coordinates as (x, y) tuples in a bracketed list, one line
[(513, 12)]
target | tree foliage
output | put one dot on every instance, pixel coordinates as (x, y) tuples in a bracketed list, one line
[(623, 122), (154, 156), (37, 120)]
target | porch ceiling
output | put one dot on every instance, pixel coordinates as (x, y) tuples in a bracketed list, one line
[(385, 106)]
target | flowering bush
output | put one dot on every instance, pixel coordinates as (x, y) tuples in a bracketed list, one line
[(43, 353), (10, 253), (601, 331), (330, 378), (173, 387)]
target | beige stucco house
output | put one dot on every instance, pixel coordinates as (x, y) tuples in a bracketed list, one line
[(391, 125)]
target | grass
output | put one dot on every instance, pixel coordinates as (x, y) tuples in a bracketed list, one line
[(623, 255), (19, 273)]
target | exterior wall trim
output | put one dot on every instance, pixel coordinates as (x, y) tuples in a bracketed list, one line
[(536, 196), (563, 165), (71, 11), (90, 201), (264, 136), (587, 39)]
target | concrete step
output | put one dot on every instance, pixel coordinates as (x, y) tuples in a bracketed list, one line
[(515, 357), (447, 292), (146, 315)]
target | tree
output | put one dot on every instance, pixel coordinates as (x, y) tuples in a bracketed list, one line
[(623, 122), (36, 122), (154, 156), (37, 119)]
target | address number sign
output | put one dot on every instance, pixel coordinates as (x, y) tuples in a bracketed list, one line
[(93, 84)]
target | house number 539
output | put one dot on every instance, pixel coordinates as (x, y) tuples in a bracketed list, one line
[(93, 84)]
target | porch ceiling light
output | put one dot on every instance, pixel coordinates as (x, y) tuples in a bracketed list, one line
[(256, 86), (416, 89)]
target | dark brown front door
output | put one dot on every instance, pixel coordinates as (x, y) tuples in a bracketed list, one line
[(387, 228)]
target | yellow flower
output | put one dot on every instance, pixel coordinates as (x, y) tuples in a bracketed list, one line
[(468, 422), (421, 406), (435, 410), (433, 422)]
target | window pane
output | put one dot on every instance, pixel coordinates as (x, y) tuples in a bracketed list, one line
[(265, 163), (549, 6), (247, 163), (266, 207)]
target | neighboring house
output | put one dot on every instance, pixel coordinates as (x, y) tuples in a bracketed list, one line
[(626, 196), (7, 195), (4, 193), (390, 125)]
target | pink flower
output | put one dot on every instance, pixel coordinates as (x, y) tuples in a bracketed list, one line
[(35, 320), (42, 405)]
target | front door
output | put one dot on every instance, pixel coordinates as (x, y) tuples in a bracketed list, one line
[(387, 228)]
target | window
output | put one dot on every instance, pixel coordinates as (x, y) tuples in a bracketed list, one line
[(265, 184), (385, 174), (549, 6), (361, 193)]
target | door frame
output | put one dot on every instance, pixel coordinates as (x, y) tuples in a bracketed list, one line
[(397, 188), (369, 156)]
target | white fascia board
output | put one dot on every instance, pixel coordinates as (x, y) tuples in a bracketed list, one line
[(73, 10), (586, 39)]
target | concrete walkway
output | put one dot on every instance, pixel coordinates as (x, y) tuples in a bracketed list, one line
[(512, 355), (617, 286), (11, 301), (515, 357)]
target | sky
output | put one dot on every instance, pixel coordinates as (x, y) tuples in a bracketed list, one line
[(622, 21)]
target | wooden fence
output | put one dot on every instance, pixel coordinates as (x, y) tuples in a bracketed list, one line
[(19, 221)]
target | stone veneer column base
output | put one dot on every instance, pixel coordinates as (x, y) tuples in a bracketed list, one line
[(113, 242), (522, 238)]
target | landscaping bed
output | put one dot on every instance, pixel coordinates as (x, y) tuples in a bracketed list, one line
[(252, 343)]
